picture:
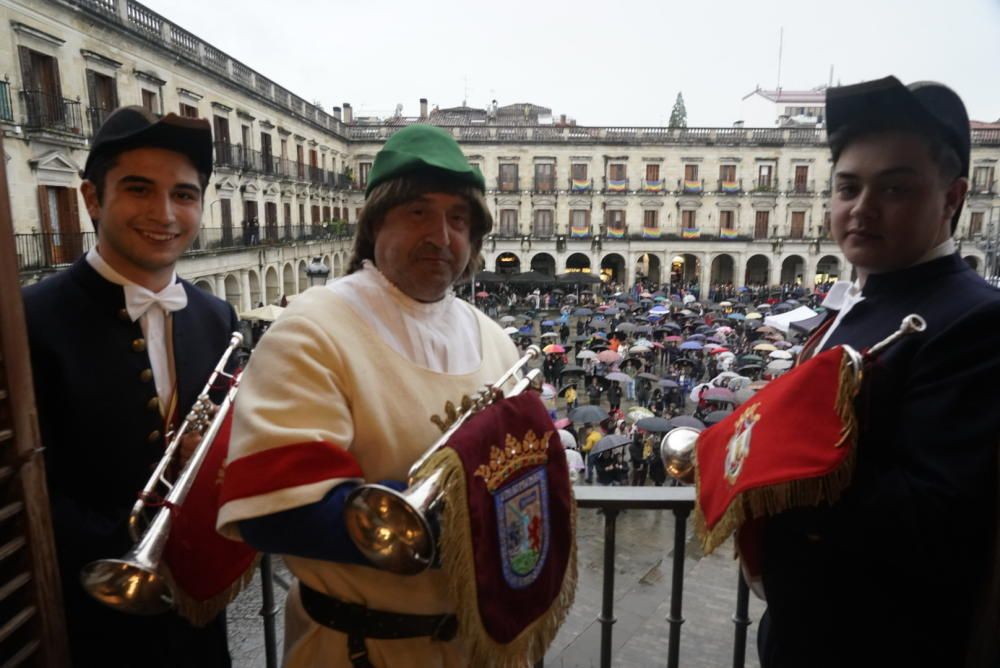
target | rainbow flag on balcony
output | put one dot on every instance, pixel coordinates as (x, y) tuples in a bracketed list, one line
[(617, 186), (579, 231), (730, 186), (650, 233), (653, 186), (727, 234), (692, 186), (616, 232), (690, 233), (580, 185)]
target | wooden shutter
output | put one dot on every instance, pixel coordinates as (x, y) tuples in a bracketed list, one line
[(27, 71), (33, 633)]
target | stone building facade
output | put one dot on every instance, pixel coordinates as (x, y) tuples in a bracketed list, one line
[(697, 206)]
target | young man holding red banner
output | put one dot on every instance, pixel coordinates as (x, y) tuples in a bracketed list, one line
[(341, 391), (120, 349), (894, 572)]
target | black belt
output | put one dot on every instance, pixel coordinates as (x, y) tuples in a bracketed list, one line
[(359, 622)]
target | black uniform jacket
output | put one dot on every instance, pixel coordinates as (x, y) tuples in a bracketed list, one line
[(102, 431), (892, 574)]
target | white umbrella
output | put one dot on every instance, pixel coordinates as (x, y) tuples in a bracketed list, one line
[(639, 349), (506, 319), (268, 313), (586, 355), (510, 330), (780, 355), (550, 335)]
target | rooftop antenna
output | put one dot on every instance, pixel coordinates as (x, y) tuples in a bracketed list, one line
[(465, 94), (781, 42), (830, 84)]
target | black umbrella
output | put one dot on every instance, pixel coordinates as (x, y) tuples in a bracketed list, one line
[(687, 421), (589, 413), (610, 442), (666, 382), (582, 311), (648, 376), (655, 425), (716, 417), (567, 370)]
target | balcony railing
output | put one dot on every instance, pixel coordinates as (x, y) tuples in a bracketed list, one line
[(507, 185), (654, 186), (615, 186), (765, 185), (44, 250), (43, 111), (807, 186), (545, 185), (983, 188), (734, 187), (6, 106), (581, 185), (691, 187), (96, 117)]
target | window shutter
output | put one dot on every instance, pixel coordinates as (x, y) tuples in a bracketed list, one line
[(92, 95), (28, 82), (34, 633)]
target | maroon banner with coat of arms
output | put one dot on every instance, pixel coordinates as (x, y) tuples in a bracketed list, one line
[(508, 536)]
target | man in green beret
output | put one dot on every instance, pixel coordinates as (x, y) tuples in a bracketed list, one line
[(340, 392)]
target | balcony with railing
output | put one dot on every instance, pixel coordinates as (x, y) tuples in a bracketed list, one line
[(545, 185), (53, 113), (653, 186), (96, 117), (734, 187), (983, 188), (6, 105), (45, 250), (506, 185), (765, 186), (581, 185), (615, 186), (691, 186), (801, 186)]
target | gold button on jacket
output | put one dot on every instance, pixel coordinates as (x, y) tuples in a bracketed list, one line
[(139, 345), (154, 436), (146, 375)]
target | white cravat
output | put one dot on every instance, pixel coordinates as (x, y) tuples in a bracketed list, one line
[(150, 309)]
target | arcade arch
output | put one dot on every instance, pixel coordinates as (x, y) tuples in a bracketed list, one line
[(613, 268), (205, 285), (648, 267), (233, 292), (254, 289), (758, 268), (827, 269), (507, 263), (578, 262), (544, 263), (792, 270), (272, 290), (685, 270), (288, 279), (723, 270)]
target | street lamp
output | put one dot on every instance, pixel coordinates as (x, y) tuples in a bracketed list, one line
[(317, 272)]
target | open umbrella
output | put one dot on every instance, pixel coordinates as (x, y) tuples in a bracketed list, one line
[(588, 413), (619, 377), (482, 294), (638, 413), (507, 319), (562, 423), (569, 370), (666, 382), (550, 335), (764, 348), (655, 425), (716, 417), (780, 355), (548, 323), (268, 313), (638, 350), (648, 376), (548, 391), (609, 357), (610, 442), (582, 312), (720, 394), (553, 349), (510, 330), (687, 421), (586, 355), (690, 345)]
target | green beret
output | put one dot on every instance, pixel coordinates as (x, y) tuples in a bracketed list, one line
[(418, 147)]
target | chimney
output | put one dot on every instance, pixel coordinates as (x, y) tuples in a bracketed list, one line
[(336, 113), (562, 119), (423, 108), (348, 113)]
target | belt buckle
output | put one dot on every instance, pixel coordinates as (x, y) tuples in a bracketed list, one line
[(446, 628)]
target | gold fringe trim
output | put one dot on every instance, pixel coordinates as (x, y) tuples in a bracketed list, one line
[(457, 560), (200, 613), (773, 499)]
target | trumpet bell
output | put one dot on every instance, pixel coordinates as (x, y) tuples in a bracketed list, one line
[(393, 529), (127, 586), (677, 452)]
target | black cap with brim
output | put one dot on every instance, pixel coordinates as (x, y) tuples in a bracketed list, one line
[(883, 102), (134, 127)]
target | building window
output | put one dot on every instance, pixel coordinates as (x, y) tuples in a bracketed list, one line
[(42, 92), (150, 102), (726, 221), (188, 111), (60, 223), (727, 173), (760, 224), (690, 172), (579, 171), (508, 178), (287, 211), (314, 218), (765, 177), (271, 221), (615, 220), (826, 233), (508, 223), (617, 172), (226, 211), (579, 223), (651, 219), (302, 214), (975, 223), (801, 178), (982, 180), (798, 225), (545, 177), (543, 223), (364, 168), (221, 129), (652, 173), (688, 221), (300, 162), (103, 95)]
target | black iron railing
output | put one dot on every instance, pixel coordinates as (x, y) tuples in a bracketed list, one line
[(44, 250), (44, 111)]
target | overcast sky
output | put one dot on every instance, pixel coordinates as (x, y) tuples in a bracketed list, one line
[(614, 62)]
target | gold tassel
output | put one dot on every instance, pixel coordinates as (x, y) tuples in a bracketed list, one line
[(457, 561), (200, 613), (807, 492)]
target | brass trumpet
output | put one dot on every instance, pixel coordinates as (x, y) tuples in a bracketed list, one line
[(134, 583), (398, 531)]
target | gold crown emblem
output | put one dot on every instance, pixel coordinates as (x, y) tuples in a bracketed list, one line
[(514, 456), (749, 417)]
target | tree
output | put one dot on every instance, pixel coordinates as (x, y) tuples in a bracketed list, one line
[(678, 117)]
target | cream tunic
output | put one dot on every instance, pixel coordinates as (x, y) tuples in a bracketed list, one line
[(321, 382)]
